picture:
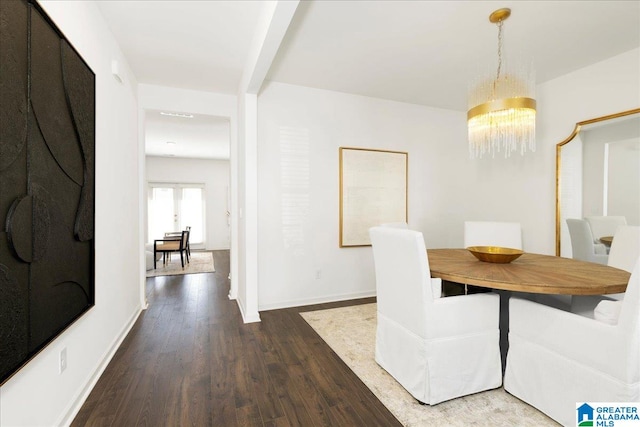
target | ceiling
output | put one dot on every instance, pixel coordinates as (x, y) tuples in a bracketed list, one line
[(426, 52), (199, 136), (421, 52), (201, 45)]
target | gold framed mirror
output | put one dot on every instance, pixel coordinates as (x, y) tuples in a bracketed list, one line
[(595, 171)]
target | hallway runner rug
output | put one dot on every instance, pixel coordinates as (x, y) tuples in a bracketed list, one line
[(201, 262)]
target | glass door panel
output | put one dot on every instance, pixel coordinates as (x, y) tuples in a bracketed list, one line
[(191, 213), (162, 216), (173, 207)]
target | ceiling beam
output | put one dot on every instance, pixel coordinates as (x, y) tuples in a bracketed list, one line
[(273, 24)]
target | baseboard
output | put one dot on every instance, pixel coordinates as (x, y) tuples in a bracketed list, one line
[(321, 300), (247, 318), (77, 403)]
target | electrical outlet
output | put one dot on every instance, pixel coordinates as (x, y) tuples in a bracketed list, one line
[(318, 274), (63, 360)]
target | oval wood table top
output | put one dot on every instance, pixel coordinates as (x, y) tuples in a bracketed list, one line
[(535, 273)]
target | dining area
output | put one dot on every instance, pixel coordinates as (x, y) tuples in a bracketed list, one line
[(553, 331)]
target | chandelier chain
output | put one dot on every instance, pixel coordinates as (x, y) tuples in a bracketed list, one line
[(499, 49)]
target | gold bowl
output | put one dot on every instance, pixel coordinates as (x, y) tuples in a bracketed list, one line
[(495, 254)]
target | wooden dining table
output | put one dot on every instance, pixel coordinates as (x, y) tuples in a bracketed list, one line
[(530, 273)]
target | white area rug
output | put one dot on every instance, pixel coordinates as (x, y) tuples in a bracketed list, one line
[(351, 333), (201, 262)]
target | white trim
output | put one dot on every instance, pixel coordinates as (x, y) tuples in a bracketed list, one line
[(234, 271), (76, 403), (142, 211), (254, 317), (320, 300)]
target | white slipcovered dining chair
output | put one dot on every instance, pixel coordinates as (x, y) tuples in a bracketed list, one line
[(436, 348), (625, 250), (625, 247), (602, 226), (583, 247), (557, 358), (493, 233)]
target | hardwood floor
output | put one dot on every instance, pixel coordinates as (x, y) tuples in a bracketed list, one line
[(190, 360)]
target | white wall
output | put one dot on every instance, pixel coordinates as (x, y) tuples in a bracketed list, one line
[(214, 174), (300, 131), (298, 225), (38, 394)]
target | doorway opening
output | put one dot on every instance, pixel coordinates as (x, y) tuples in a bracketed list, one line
[(187, 178)]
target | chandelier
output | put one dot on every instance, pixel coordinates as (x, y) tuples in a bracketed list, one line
[(502, 108)]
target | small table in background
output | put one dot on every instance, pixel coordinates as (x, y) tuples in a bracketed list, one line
[(169, 235), (606, 240)]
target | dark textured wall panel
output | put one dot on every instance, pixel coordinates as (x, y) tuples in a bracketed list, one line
[(78, 83), (13, 85), (14, 322), (20, 228), (48, 99), (14, 274), (55, 268), (47, 189)]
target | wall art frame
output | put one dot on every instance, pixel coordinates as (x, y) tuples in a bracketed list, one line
[(47, 184), (373, 191)]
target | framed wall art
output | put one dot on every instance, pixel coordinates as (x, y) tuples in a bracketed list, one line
[(373, 191), (47, 170)]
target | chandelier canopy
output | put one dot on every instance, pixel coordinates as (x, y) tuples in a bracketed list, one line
[(502, 108)]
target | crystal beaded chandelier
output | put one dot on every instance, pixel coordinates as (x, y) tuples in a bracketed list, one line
[(502, 108)]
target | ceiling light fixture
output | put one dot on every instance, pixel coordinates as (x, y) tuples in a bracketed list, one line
[(502, 108), (184, 116)]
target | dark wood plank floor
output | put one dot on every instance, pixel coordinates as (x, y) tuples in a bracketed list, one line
[(191, 361)]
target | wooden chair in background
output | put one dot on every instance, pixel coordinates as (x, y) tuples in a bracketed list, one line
[(168, 245), (188, 228)]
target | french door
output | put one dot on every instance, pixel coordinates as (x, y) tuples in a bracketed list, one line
[(173, 207)]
